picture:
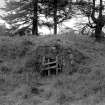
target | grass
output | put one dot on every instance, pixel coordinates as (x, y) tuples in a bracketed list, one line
[(18, 72)]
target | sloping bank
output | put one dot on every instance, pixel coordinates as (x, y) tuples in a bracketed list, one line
[(18, 57)]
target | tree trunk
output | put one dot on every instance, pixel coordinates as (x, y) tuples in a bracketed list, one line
[(35, 18), (55, 17), (99, 23), (98, 31)]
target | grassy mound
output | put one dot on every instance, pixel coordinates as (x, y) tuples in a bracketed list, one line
[(82, 85)]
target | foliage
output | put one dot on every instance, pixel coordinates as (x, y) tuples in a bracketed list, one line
[(94, 13), (18, 13), (21, 13)]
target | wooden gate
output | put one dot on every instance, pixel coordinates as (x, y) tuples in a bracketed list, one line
[(51, 65)]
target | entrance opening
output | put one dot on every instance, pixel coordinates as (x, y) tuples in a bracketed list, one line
[(50, 66)]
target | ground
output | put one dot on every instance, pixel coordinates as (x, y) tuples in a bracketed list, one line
[(20, 86)]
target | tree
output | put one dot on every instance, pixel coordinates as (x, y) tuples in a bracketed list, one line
[(22, 13), (94, 12), (18, 13), (58, 10), (35, 18), (99, 21), (55, 17), (27, 12)]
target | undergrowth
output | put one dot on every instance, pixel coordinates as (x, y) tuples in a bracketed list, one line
[(19, 66)]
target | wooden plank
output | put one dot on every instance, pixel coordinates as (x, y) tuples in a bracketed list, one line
[(43, 60), (48, 72), (49, 63), (56, 65), (47, 68)]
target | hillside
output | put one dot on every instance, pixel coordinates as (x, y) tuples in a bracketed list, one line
[(84, 85)]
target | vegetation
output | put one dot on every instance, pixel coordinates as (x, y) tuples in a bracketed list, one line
[(28, 12), (95, 15), (81, 57), (22, 84)]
